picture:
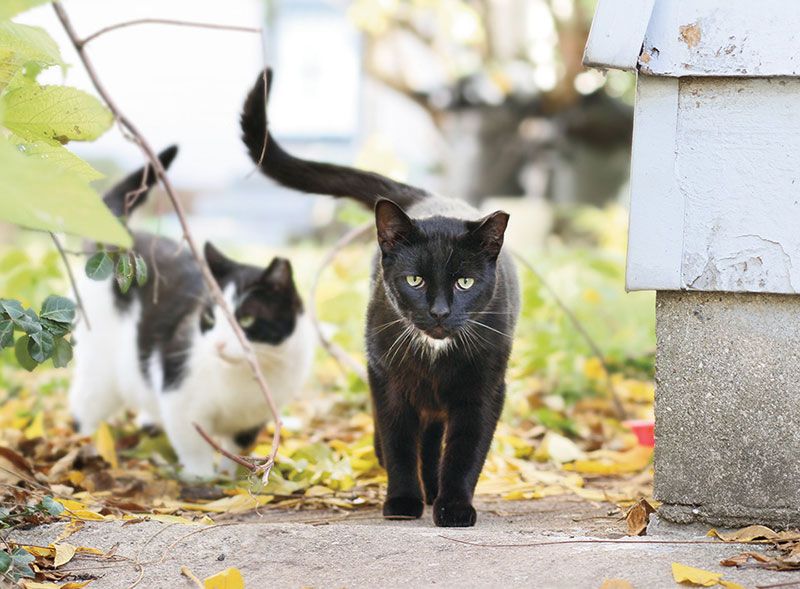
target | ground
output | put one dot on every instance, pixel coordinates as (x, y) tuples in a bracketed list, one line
[(288, 548)]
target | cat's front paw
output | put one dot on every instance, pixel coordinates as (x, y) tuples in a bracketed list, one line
[(402, 508), (453, 514)]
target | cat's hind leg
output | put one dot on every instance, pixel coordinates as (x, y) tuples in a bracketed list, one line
[(93, 398)]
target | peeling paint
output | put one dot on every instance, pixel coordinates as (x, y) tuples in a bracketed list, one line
[(691, 35)]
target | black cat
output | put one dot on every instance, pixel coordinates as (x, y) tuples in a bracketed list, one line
[(439, 326)]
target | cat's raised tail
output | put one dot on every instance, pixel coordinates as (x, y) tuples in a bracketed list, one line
[(309, 176), (132, 191)]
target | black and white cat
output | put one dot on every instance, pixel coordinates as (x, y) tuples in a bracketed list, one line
[(173, 358), (440, 323)]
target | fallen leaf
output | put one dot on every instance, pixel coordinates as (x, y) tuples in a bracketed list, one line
[(748, 534), (611, 463), (731, 584), (638, 517), (616, 584), (686, 574), (72, 527), (64, 553), (558, 448), (230, 578), (106, 447), (36, 428)]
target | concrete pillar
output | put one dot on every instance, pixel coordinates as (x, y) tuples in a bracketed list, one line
[(727, 408)]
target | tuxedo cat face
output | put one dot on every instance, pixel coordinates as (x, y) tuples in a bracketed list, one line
[(265, 302), (439, 272)]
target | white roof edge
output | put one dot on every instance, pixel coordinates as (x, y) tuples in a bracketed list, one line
[(617, 33)]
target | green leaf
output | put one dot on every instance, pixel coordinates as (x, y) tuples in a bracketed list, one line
[(25, 319), (58, 155), (22, 560), (41, 345), (62, 354), (100, 266), (55, 328), (54, 113), (11, 8), (52, 506), (5, 561), (60, 309), (124, 272), (141, 269), (6, 334), (39, 196), (22, 354), (27, 46)]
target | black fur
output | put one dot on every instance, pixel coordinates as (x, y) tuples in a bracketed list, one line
[(435, 411), (308, 176), (174, 300)]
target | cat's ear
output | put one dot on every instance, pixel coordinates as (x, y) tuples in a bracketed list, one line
[(393, 225), (278, 273), (131, 192), (220, 265), (487, 233)]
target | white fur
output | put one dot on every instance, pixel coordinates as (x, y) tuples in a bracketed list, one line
[(218, 390)]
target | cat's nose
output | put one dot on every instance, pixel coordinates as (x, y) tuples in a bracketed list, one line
[(439, 311)]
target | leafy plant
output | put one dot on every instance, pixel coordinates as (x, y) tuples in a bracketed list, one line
[(125, 266), (43, 335)]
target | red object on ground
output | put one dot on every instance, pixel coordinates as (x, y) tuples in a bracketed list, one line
[(644, 431)]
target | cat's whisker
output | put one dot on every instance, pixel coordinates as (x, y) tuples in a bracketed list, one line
[(385, 326), (489, 328)]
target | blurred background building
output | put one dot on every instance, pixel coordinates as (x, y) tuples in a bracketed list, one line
[(479, 99)]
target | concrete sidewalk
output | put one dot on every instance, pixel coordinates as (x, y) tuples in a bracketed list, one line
[(361, 550)]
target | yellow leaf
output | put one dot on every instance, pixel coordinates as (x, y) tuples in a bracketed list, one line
[(616, 584), (236, 504), (46, 551), (64, 554), (685, 574), (104, 441), (731, 585), (230, 578), (69, 529), (748, 534), (36, 428), (558, 448), (634, 460), (77, 510)]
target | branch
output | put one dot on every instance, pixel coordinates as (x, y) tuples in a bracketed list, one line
[(133, 132), (79, 43), (618, 407), (71, 277), (342, 358)]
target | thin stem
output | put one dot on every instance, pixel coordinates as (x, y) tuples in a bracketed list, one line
[(618, 407), (343, 359), (581, 541), (72, 280), (215, 291), (80, 43)]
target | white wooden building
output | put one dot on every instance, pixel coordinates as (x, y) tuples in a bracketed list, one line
[(715, 229)]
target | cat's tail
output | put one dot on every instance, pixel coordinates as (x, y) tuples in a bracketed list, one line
[(132, 191), (309, 176)]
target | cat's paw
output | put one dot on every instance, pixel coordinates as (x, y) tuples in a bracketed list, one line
[(453, 514), (402, 508)]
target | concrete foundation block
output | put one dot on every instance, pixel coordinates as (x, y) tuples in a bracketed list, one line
[(728, 408)]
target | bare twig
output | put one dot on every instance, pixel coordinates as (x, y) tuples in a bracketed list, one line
[(216, 293), (186, 572), (249, 465), (72, 280), (618, 407), (163, 21), (342, 358)]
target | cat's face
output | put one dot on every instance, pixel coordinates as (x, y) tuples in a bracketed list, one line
[(265, 302), (439, 272)]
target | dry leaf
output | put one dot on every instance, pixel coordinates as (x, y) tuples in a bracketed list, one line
[(64, 554), (230, 578), (559, 449), (731, 584), (748, 534), (616, 584), (106, 447), (685, 574), (638, 517), (72, 527), (36, 428)]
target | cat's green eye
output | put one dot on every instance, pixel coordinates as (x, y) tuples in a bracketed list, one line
[(465, 283), (247, 321), (415, 281), (207, 320)]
